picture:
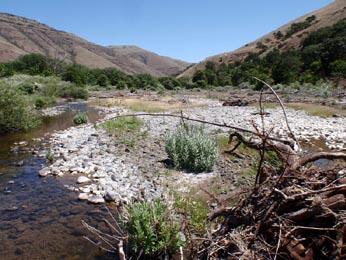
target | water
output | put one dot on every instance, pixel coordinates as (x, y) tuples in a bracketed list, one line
[(40, 218)]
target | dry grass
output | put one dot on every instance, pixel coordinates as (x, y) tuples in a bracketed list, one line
[(317, 110), (267, 105), (146, 105)]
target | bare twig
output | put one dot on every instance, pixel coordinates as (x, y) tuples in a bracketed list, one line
[(282, 106), (278, 245)]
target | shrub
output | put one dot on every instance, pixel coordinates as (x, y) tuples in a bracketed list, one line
[(189, 148), (79, 93), (44, 101), (80, 118), (338, 68), (151, 230), (27, 88), (102, 80), (74, 92), (40, 102), (15, 112)]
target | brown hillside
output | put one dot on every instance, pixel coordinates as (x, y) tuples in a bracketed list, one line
[(326, 16), (20, 36)]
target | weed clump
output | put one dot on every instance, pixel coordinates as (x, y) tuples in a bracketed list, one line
[(190, 148), (80, 118), (151, 230)]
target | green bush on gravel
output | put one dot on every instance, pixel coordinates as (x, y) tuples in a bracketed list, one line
[(190, 148), (151, 230)]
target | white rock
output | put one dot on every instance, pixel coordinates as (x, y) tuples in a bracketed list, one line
[(44, 172), (96, 199), (82, 179), (83, 196)]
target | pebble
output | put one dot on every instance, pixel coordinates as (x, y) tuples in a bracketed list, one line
[(44, 172), (83, 179), (96, 199), (83, 196)]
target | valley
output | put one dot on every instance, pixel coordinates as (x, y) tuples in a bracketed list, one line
[(116, 152)]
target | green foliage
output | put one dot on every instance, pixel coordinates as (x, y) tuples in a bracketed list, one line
[(74, 92), (50, 156), (321, 56), (15, 111), (170, 83), (278, 35), (43, 101), (297, 27), (32, 64), (102, 80), (288, 68), (273, 160), (27, 88), (196, 211), (338, 68), (77, 74), (191, 149), (80, 118), (122, 124), (151, 230), (199, 76), (40, 103)]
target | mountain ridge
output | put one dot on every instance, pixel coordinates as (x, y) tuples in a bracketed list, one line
[(20, 35)]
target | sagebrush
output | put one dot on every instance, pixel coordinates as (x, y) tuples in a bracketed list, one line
[(152, 232), (190, 148)]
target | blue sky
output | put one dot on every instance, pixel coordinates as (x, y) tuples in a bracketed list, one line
[(190, 30)]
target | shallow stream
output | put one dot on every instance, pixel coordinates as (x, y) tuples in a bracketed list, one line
[(40, 218)]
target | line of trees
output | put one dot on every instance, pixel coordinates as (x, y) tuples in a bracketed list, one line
[(37, 64)]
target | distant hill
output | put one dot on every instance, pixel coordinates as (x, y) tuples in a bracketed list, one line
[(160, 65), (284, 38), (20, 36)]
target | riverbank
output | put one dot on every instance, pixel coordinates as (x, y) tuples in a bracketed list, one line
[(105, 169)]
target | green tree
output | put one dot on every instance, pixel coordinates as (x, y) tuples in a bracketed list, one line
[(77, 74), (33, 64), (199, 76), (287, 70), (102, 80), (338, 68)]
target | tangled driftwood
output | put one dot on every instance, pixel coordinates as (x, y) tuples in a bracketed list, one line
[(295, 212)]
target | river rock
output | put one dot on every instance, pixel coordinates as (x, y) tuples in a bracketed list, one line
[(112, 195), (83, 196), (44, 172), (82, 179), (20, 163), (96, 199)]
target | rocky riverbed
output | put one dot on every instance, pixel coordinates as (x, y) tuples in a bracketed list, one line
[(106, 170)]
